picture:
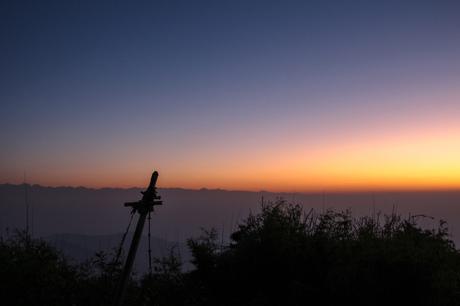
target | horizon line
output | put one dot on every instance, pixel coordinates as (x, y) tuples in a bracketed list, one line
[(312, 191)]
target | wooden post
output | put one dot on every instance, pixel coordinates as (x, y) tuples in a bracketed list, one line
[(143, 207)]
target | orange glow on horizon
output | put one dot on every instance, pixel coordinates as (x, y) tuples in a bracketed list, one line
[(419, 151), (413, 160)]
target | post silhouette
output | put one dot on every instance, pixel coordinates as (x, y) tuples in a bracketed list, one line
[(143, 207)]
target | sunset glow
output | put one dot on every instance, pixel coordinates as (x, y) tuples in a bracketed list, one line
[(277, 99)]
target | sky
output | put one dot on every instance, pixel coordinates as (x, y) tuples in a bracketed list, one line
[(248, 95)]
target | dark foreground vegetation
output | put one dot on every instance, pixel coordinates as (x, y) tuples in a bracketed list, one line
[(280, 256)]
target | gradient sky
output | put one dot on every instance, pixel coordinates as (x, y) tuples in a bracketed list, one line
[(275, 95)]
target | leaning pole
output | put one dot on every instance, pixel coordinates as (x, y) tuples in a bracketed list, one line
[(142, 207)]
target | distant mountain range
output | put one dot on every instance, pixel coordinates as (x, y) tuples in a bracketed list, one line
[(90, 218)]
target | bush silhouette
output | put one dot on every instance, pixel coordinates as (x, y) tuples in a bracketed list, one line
[(33, 273), (282, 255)]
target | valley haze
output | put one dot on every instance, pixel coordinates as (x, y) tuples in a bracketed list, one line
[(87, 211)]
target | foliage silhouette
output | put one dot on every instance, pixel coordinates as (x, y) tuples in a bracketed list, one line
[(282, 255), (34, 273)]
